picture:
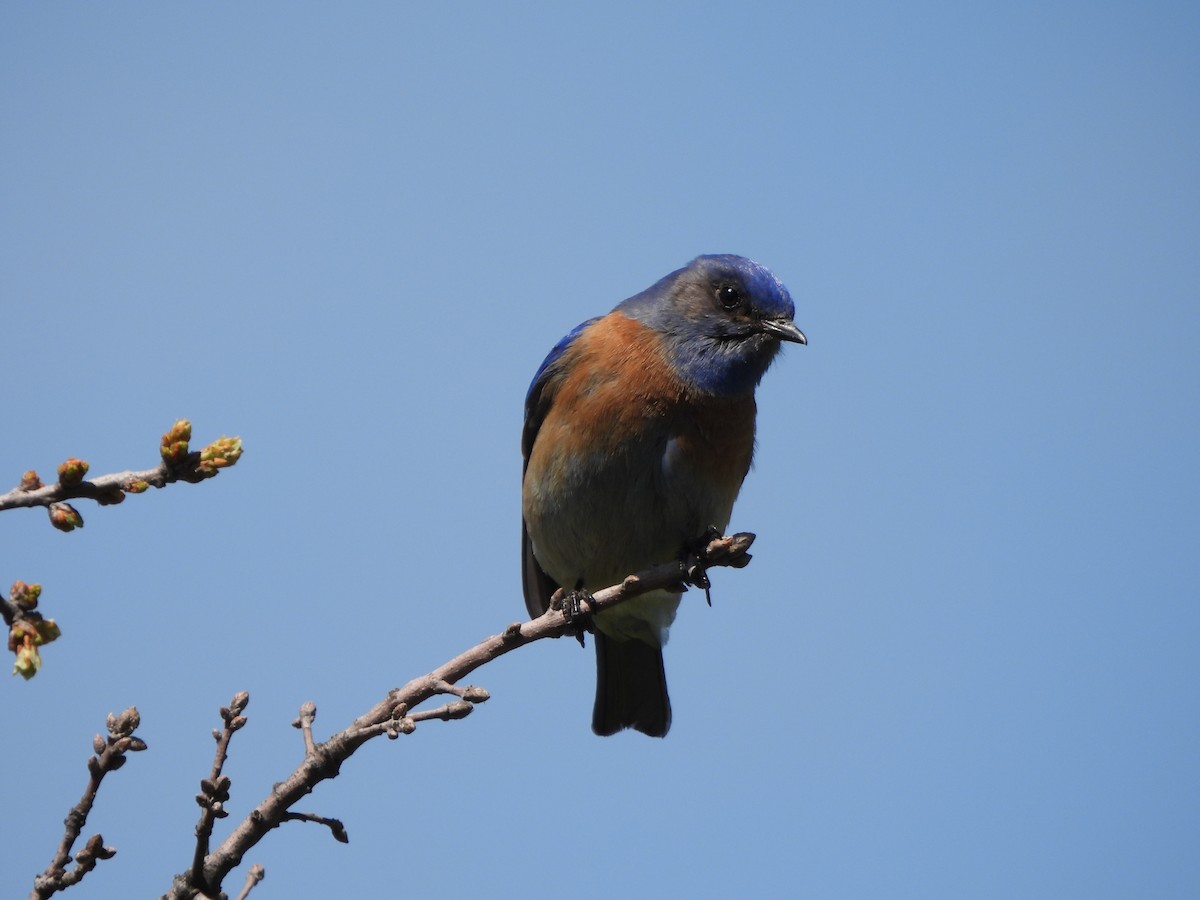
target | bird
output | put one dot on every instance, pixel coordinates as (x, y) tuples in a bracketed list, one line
[(639, 430)]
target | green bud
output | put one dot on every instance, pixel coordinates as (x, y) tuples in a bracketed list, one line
[(65, 517), (71, 472)]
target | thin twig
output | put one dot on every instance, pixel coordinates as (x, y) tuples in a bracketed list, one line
[(109, 756), (304, 721), (335, 826), (29, 630), (256, 874), (214, 790), (107, 488), (459, 709), (178, 464)]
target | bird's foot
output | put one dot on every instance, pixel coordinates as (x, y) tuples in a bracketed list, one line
[(571, 603), (696, 560)]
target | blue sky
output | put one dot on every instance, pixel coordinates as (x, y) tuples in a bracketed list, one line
[(964, 659)]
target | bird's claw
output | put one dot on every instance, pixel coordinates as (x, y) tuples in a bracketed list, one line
[(695, 564), (571, 603)]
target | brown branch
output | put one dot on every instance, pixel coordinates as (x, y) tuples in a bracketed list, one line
[(28, 629), (391, 716), (256, 874), (308, 715), (214, 790), (109, 756), (178, 464), (335, 826)]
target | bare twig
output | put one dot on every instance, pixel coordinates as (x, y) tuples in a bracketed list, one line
[(109, 756), (256, 874), (391, 715), (214, 790), (304, 721), (335, 826)]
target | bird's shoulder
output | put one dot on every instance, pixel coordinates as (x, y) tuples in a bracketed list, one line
[(613, 378), (606, 374)]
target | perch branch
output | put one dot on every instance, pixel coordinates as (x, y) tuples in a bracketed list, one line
[(391, 715)]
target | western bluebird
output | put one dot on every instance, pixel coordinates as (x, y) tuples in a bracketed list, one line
[(639, 428)]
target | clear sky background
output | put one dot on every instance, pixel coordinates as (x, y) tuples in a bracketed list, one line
[(964, 662)]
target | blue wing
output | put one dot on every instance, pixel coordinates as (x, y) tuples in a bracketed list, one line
[(538, 400), (537, 585)]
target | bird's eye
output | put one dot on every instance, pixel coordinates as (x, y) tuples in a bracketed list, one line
[(729, 296)]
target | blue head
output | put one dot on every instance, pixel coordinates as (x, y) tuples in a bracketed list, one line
[(722, 318)]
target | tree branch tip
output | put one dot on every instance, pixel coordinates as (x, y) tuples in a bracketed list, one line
[(335, 826), (725, 550), (470, 693), (459, 709), (95, 849), (124, 723), (256, 874), (475, 694), (741, 541)]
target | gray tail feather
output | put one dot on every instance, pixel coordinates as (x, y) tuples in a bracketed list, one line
[(631, 688)]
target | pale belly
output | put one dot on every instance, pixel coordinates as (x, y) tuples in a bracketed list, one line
[(594, 521)]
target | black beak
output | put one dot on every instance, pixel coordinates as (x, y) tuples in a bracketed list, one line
[(784, 329)]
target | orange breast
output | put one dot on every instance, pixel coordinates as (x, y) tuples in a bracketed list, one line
[(628, 463)]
